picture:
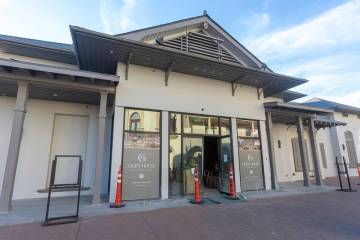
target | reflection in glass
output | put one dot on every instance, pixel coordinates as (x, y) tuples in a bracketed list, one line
[(247, 128), (141, 120), (141, 140), (225, 126), (175, 165), (248, 144), (201, 125), (225, 163), (193, 153), (175, 123)]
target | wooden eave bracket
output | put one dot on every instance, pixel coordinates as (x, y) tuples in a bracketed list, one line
[(128, 61), (6, 69), (168, 71), (235, 84), (260, 89)]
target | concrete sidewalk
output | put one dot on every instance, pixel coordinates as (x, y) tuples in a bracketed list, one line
[(33, 210), (326, 215)]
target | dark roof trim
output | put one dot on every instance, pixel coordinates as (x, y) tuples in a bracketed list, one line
[(157, 26), (52, 51), (163, 51), (289, 95), (57, 70), (339, 107), (216, 26), (296, 107)]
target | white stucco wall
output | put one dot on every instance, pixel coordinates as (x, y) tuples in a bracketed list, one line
[(34, 155), (353, 125), (186, 93), (284, 158), (324, 136), (145, 88)]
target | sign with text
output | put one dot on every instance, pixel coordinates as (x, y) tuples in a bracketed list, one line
[(251, 169), (141, 166)]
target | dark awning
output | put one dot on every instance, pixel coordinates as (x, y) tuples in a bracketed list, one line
[(100, 52), (287, 113), (11, 66)]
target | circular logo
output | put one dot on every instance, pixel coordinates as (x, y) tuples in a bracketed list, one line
[(141, 157)]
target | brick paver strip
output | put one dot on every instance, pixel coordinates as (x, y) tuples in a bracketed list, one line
[(331, 215)]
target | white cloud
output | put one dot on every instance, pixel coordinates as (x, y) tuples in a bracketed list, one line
[(117, 18), (352, 99), (256, 22), (336, 27), (5, 3)]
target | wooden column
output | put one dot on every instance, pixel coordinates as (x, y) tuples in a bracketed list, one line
[(269, 133), (14, 146), (314, 150), (235, 149), (100, 148), (305, 167), (164, 155)]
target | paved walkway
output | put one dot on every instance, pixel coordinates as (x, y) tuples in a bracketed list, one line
[(319, 215)]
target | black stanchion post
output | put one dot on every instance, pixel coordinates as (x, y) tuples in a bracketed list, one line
[(339, 175)]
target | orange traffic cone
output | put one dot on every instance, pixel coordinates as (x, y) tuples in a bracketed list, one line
[(232, 192), (197, 197), (118, 203)]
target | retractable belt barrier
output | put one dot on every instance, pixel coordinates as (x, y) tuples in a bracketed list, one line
[(53, 186), (343, 172)]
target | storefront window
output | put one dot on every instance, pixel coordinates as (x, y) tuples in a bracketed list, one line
[(225, 126), (195, 124), (142, 121), (175, 178), (141, 156), (251, 166), (175, 123), (247, 128)]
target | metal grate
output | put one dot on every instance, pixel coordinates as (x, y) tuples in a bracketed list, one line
[(202, 44)]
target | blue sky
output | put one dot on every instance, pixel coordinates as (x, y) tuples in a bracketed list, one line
[(315, 39)]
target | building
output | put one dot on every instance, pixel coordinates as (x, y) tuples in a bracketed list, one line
[(157, 102)]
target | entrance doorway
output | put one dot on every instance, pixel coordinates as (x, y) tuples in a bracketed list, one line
[(213, 156), (211, 167), (203, 141)]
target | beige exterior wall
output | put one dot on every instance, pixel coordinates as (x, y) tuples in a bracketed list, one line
[(353, 125), (186, 93), (145, 88), (284, 158), (34, 156)]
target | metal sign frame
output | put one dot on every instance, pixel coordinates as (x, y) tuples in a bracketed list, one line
[(64, 187)]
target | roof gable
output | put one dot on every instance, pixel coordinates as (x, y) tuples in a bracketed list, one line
[(203, 24)]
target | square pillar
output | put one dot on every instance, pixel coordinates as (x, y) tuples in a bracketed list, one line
[(270, 138), (117, 150), (265, 155), (14, 147), (164, 155), (300, 132), (235, 155), (100, 148), (314, 150)]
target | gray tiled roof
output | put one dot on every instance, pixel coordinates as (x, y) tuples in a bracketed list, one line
[(38, 43), (317, 102)]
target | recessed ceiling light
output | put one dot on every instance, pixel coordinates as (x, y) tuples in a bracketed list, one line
[(3, 94), (111, 51), (55, 94)]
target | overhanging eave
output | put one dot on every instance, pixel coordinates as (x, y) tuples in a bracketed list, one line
[(101, 52)]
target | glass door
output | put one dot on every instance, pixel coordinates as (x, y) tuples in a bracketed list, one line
[(225, 156), (192, 154)]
